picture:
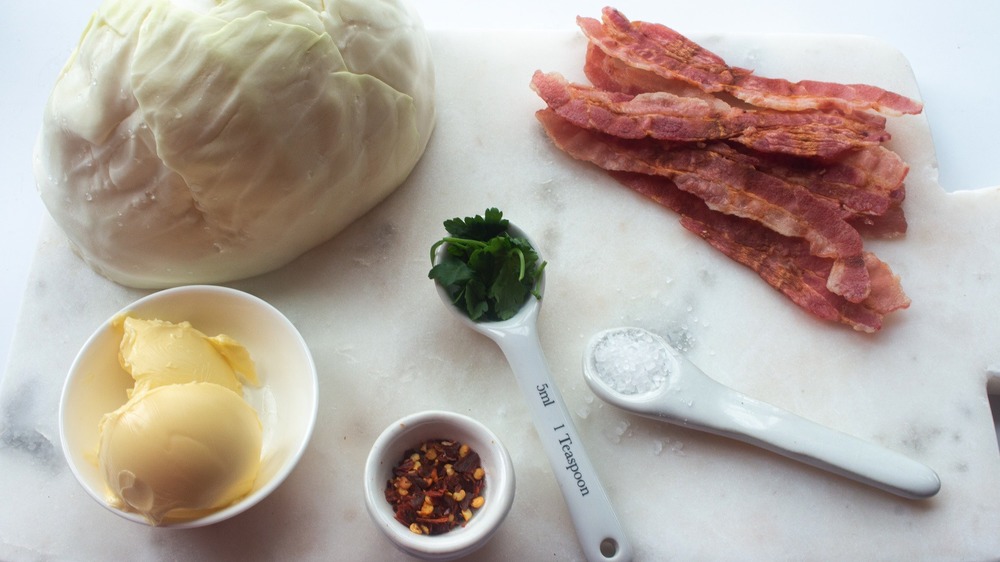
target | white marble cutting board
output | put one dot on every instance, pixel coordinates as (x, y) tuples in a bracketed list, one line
[(385, 347)]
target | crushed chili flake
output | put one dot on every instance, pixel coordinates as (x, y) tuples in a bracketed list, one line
[(436, 487)]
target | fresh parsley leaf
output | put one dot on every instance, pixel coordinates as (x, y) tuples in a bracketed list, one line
[(482, 228), (507, 292), (476, 303), (452, 272), (486, 271)]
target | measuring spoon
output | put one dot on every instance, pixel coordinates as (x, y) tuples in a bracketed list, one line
[(638, 371), (597, 527)]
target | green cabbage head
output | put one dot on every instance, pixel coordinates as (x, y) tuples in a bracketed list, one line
[(191, 141)]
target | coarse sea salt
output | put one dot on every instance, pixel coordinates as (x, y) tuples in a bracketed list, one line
[(630, 361)]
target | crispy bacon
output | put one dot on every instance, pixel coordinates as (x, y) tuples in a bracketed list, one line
[(782, 177), (890, 224), (726, 184), (868, 183), (613, 75), (784, 263), (865, 183), (730, 187), (666, 116), (670, 55), (887, 295), (658, 49)]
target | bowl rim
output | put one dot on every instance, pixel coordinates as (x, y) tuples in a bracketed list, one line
[(167, 295), (386, 453)]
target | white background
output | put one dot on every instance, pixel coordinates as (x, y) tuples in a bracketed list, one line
[(952, 47)]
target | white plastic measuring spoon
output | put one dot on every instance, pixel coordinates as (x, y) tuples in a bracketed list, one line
[(597, 527), (640, 372)]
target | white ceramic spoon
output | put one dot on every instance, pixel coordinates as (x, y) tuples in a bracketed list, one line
[(597, 527), (640, 372)]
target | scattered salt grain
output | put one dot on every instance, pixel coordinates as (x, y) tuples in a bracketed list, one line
[(657, 446), (617, 431)]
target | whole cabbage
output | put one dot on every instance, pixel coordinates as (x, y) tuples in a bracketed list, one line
[(205, 141)]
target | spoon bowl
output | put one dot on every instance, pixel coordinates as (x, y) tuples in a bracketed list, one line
[(525, 319), (640, 372)]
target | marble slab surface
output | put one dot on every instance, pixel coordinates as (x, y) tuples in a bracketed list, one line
[(385, 347)]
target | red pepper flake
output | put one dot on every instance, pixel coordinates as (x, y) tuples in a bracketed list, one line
[(436, 487)]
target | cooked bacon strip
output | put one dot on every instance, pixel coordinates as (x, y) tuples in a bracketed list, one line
[(849, 277), (865, 183), (887, 295), (777, 93), (800, 276), (677, 58), (868, 183), (729, 187), (891, 224), (665, 116), (784, 263), (661, 50), (876, 170), (785, 189), (613, 75)]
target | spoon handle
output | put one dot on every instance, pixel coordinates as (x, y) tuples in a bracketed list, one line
[(716, 408), (597, 527)]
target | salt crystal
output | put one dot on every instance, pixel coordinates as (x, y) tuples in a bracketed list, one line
[(622, 427), (615, 433), (630, 361)]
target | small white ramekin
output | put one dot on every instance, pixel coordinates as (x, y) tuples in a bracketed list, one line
[(410, 432)]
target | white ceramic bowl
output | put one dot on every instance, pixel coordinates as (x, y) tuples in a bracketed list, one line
[(286, 399), (409, 432)]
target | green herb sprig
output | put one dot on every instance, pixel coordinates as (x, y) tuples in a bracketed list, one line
[(487, 272)]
